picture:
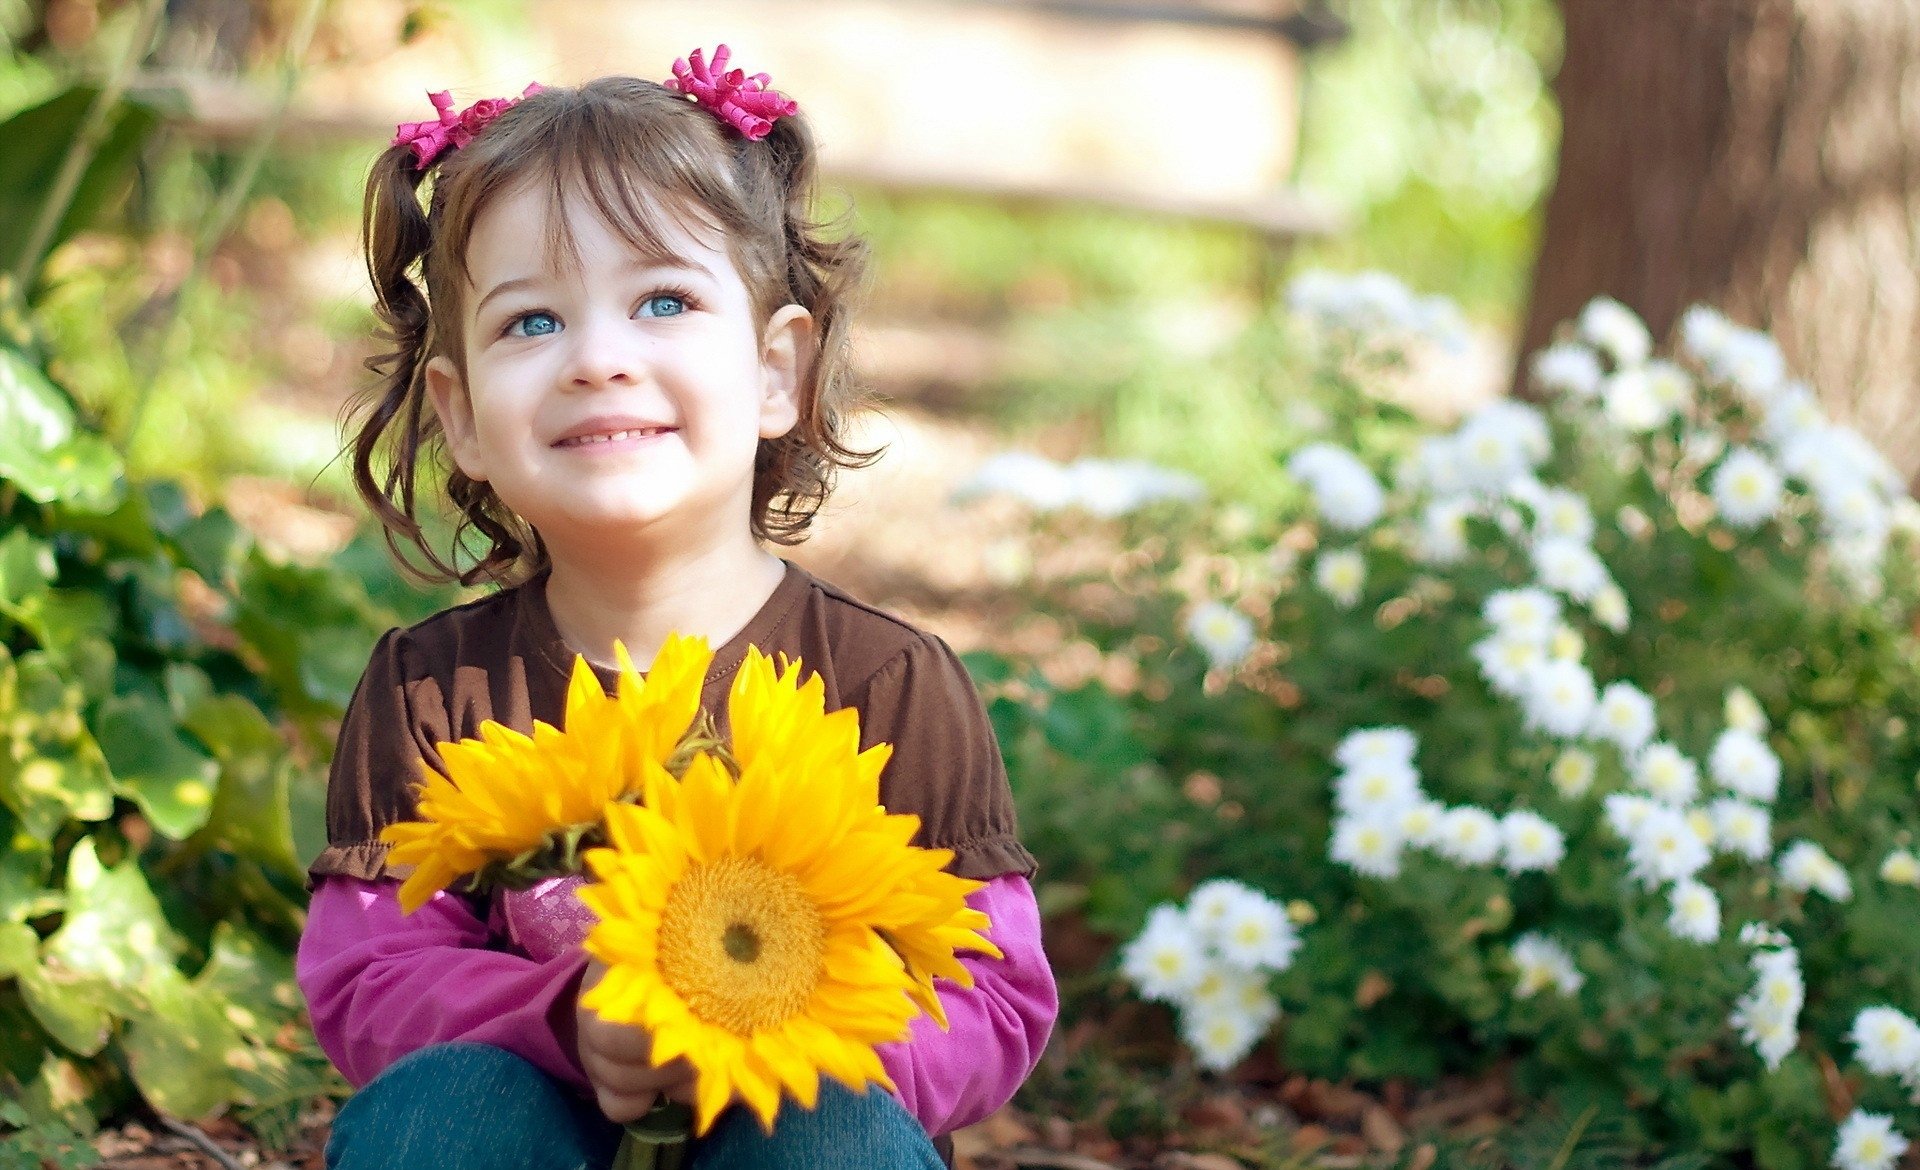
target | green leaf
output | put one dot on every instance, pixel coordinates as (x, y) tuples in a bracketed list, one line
[(312, 625), (253, 977), (153, 764), (212, 544), (178, 1048), (26, 567), (19, 949), (252, 813), (52, 769), (114, 929), (42, 448), (37, 141), (25, 862), (69, 1005)]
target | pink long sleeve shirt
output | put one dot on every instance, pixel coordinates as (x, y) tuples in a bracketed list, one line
[(380, 984)]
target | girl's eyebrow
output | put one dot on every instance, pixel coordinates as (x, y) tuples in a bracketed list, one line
[(518, 282)]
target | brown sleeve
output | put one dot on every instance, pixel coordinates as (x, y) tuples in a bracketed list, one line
[(377, 762), (946, 764)]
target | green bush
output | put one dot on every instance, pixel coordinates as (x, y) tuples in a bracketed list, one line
[(1693, 528)]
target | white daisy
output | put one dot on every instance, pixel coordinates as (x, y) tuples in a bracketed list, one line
[(1166, 960), (1768, 1015), (1341, 574), (1630, 403), (1666, 774), (1627, 813), (1670, 386), (1624, 717), (1615, 329), (1665, 848), (1569, 369), (1741, 828), (1570, 567), (1468, 836), (1743, 713), (1572, 773), (1901, 868), (1886, 1041), (1223, 633), (1609, 608), (1372, 787), (1543, 964), (1559, 698), (1696, 912), (1805, 866), (1370, 744), (1566, 645), (1742, 762), (1530, 841), (1564, 514), (1868, 1141), (1220, 1039), (1257, 935), (1369, 845), (1524, 614), (1508, 662), (1211, 902), (1344, 489), (1419, 822), (1746, 488), (1442, 538)]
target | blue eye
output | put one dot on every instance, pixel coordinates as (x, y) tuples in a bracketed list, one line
[(533, 325), (663, 305)]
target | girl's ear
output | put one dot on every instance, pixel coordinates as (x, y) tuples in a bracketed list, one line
[(786, 359), (447, 390)]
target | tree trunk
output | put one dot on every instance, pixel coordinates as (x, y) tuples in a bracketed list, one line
[(1760, 156)]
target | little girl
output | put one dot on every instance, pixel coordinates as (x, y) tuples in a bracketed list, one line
[(631, 345)]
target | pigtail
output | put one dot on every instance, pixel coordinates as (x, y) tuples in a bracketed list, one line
[(826, 266), (398, 235)]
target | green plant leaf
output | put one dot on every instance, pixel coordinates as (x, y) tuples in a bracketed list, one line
[(178, 1048), (25, 862), (254, 978), (70, 1005), (37, 139), (19, 948), (252, 813), (153, 764), (53, 769), (42, 448), (26, 567), (114, 929)]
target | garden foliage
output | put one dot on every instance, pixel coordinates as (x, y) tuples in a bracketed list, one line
[(1576, 737), (167, 692)]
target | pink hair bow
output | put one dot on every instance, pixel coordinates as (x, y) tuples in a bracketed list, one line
[(451, 131), (743, 102)]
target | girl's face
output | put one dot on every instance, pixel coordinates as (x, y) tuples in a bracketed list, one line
[(622, 395)]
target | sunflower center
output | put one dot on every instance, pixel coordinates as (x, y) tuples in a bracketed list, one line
[(742, 944)]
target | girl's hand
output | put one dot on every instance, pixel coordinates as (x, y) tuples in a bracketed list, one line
[(615, 1057)]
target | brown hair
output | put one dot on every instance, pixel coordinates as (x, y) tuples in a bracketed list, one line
[(619, 140)]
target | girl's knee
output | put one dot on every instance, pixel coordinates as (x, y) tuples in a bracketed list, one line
[(846, 1129), (470, 1106)]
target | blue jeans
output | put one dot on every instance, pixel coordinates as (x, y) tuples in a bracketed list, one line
[(475, 1107)]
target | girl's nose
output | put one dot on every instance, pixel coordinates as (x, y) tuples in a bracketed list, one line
[(603, 352)]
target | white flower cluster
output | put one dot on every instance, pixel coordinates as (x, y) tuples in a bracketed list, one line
[(1211, 960), (1345, 492), (1868, 1141), (1804, 866), (1102, 487), (1382, 811), (1375, 306), (1768, 1015)]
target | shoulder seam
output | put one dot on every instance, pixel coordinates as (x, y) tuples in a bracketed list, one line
[(921, 640)]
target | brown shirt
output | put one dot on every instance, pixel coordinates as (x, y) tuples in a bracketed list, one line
[(501, 658)]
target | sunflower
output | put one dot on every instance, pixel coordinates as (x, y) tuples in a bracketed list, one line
[(774, 926), (507, 796)]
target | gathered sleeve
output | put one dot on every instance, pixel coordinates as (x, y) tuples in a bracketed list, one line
[(946, 764)]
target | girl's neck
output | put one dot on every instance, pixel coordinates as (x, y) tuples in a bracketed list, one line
[(713, 592)]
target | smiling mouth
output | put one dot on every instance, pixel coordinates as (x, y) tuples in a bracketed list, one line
[(587, 440)]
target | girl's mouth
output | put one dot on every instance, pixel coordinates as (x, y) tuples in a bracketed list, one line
[(618, 440)]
